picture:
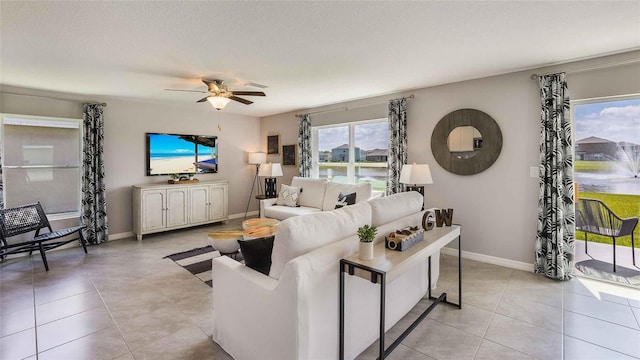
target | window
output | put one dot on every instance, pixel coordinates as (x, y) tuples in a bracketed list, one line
[(352, 153), (41, 161)]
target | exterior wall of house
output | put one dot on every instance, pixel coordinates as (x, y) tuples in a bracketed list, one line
[(497, 208)]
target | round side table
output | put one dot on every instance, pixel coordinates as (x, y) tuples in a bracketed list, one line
[(257, 232), (226, 242), (255, 222)]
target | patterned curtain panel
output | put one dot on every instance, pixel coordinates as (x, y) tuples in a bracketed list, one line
[(1, 184), (304, 145), (397, 144), (94, 204), (556, 210)]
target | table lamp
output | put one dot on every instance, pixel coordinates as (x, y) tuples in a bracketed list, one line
[(270, 171), (415, 175)]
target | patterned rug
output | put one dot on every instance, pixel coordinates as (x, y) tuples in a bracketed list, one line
[(197, 261)]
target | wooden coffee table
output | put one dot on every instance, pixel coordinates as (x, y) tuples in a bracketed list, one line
[(257, 232)]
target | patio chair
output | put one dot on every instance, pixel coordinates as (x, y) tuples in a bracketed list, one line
[(594, 217), (27, 218)]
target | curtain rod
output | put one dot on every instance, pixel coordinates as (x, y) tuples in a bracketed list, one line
[(535, 76), (354, 106), (55, 98)]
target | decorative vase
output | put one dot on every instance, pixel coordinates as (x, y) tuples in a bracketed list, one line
[(366, 251)]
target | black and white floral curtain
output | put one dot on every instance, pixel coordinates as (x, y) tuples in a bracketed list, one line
[(1, 184), (94, 203), (397, 144), (556, 209), (304, 145)]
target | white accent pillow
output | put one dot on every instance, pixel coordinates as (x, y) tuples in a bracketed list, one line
[(288, 195)]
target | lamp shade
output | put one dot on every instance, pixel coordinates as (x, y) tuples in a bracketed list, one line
[(270, 170), (257, 158), (218, 102), (416, 174)]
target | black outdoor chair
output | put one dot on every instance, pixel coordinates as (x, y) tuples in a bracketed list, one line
[(594, 217), (27, 218)]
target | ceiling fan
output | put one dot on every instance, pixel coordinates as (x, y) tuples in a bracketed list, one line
[(220, 95)]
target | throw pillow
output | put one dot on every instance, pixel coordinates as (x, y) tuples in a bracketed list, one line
[(257, 253), (344, 200), (288, 195)]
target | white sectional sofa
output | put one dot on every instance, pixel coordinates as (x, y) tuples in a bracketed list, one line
[(316, 195), (293, 312)]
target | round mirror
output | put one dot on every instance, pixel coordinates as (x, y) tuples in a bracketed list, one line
[(464, 142)]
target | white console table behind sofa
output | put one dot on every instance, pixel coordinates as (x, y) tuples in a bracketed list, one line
[(162, 207)]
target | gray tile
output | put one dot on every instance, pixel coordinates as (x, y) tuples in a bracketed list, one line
[(186, 343), (68, 306), (490, 351), (471, 319), (104, 344), (532, 312), (521, 336), (575, 349), (142, 328), (400, 353), (16, 322), (600, 309), (442, 341), (73, 327), (596, 289), (602, 333), (19, 345)]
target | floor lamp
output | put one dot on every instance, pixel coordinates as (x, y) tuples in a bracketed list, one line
[(256, 159)]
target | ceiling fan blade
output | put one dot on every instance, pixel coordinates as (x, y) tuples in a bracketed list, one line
[(203, 99), (198, 91), (212, 84), (244, 101), (249, 93), (257, 85)]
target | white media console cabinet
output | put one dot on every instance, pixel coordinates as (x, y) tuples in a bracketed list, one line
[(162, 207)]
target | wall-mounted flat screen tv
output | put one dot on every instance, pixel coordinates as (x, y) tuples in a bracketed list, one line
[(181, 154)]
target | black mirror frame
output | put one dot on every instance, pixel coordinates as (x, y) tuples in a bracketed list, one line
[(491, 141)]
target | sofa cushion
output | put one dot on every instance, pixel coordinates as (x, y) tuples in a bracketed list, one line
[(300, 234), (282, 212), (345, 200), (311, 191), (363, 193), (257, 253), (288, 195), (389, 208)]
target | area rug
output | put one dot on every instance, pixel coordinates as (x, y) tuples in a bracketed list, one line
[(197, 261), (604, 270)]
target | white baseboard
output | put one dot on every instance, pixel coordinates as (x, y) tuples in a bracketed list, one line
[(241, 215), (512, 264), (123, 235)]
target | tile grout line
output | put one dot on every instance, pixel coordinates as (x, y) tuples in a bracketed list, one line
[(600, 346), (35, 315)]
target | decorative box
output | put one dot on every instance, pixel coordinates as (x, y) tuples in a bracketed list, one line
[(403, 239)]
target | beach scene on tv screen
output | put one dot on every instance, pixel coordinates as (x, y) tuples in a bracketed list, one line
[(170, 154)]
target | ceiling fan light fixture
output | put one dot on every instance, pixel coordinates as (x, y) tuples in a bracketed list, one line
[(218, 102)]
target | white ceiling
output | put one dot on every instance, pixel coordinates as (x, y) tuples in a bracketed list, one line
[(308, 53)]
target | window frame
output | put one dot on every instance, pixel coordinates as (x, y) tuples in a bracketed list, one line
[(352, 165), (51, 120)]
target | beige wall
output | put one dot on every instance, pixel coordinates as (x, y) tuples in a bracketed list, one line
[(498, 207), (125, 125)]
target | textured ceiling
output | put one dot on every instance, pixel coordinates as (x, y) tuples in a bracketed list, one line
[(308, 53)]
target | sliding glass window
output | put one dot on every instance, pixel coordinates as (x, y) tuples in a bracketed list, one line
[(353, 152)]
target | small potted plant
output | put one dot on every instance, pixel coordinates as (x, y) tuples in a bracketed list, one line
[(192, 176), (366, 233), (175, 177)]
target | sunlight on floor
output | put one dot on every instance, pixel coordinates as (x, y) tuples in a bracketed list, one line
[(597, 287)]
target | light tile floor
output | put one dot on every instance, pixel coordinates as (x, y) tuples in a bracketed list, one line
[(123, 301)]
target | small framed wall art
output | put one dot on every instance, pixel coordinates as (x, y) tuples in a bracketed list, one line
[(289, 154), (273, 144)]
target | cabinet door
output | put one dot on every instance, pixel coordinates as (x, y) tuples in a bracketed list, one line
[(218, 201), (199, 204), (153, 209), (177, 206)]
